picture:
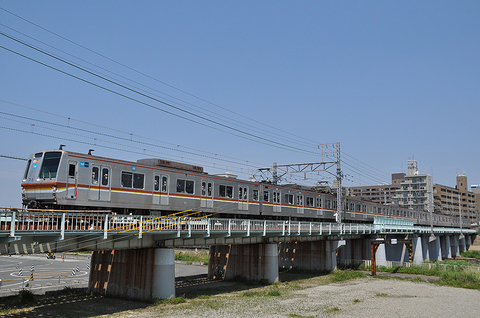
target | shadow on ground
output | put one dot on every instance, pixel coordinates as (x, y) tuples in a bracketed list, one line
[(78, 303), (74, 304)]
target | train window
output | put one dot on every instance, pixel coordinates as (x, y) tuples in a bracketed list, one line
[(26, 170), (328, 204), (105, 172), (242, 193), (288, 198), (95, 175), (138, 180), (50, 165), (71, 170), (319, 203), (204, 188), (255, 195), (126, 179), (276, 197), (156, 183), (185, 186), (309, 201), (265, 196), (38, 155), (164, 183), (226, 191), (300, 200)]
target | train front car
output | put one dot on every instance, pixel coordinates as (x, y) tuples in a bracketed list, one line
[(41, 182)]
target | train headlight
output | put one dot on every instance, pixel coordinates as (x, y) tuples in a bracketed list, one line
[(54, 189)]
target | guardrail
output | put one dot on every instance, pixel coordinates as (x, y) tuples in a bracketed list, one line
[(15, 223)]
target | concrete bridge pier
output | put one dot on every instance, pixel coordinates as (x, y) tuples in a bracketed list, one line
[(434, 248), (417, 249), (391, 254), (454, 245), (354, 252), (446, 247), (310, 255), (250, 261), (462, 244), (468, 241), (140, 274)]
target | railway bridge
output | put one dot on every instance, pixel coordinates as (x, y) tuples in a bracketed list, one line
[(133, 256)]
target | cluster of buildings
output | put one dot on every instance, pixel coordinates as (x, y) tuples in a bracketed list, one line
[(417, 191)]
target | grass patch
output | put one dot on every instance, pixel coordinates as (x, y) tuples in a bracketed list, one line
[(357, 301), (418, 279), (199, 256), (273, 293), (381, 295), (340, 276), (173, 301), (332, 310), (203, 297), (460, 279), (472, 254)]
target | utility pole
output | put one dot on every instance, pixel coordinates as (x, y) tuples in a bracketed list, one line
[(338, 216), (330, 158)]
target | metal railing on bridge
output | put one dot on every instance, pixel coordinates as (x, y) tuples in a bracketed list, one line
[(15, 223)]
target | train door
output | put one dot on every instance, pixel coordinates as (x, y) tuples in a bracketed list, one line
[(300, 208), (243, 198), (277, 206), (160, 189), (105, 187), (100, 186), (206, 200), (156, 189), (71, 187)]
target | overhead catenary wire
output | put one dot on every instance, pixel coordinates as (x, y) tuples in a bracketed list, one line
[(231, 130), (364, 172), (301, 139), (138, 150), (120, 138), (176, 146)]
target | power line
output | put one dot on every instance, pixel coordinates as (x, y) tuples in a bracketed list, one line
[(117, 137), (10, 157), (244, 133), (175, 146), (362, 171), (146, 75)]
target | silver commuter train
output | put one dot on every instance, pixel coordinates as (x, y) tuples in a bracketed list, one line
[(59, 179)]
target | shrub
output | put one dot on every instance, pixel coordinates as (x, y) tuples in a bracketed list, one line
[(25, 296)]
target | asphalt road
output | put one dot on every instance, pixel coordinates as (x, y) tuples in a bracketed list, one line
[(49, 274)]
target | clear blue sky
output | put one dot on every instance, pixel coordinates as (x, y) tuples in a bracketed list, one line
[(389, 80)]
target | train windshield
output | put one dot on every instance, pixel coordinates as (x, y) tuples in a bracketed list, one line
[(50, 165)]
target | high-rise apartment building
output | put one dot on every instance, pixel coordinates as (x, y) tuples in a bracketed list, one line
[(453, 201), (382, 193), (416, 191)]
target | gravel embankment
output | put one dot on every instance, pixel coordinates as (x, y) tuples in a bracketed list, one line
[(367, 297)]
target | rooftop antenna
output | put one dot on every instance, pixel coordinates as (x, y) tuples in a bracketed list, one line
[(90, 151), (61, 147)]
